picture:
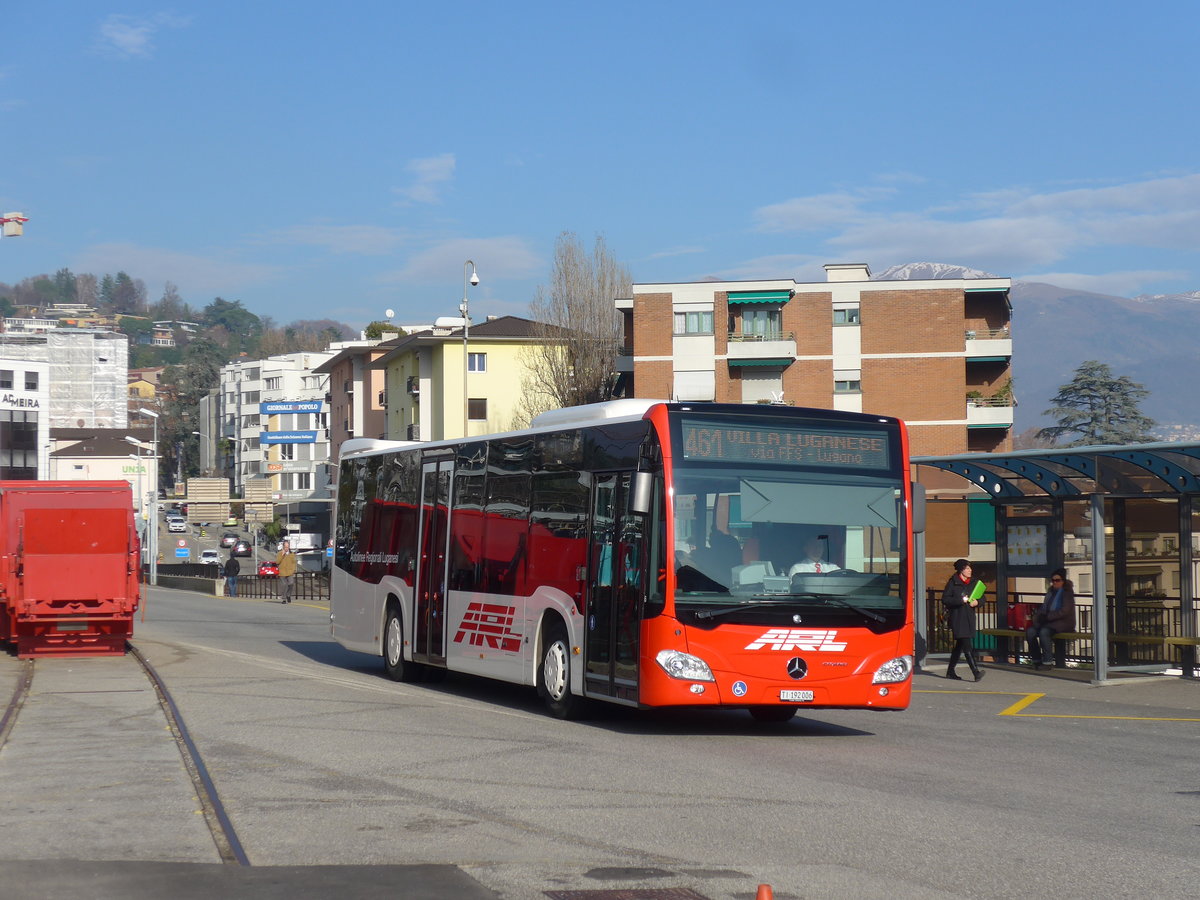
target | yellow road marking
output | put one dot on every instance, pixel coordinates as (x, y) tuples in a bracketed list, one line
[(1016, 708), (1029, 699)]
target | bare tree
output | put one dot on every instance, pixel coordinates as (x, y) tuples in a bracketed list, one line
[(577, 332)]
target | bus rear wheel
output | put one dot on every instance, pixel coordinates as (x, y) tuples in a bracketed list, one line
[(397, 667), (554, 675), (772, 714)]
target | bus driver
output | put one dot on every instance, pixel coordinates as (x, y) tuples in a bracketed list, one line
[(814, 561)]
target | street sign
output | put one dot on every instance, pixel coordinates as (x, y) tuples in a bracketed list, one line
[(182, 543), (182, 553)]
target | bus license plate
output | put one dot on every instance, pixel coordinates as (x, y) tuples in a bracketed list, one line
[(796, 696)]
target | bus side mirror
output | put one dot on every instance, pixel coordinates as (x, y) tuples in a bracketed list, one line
[(918, 510), (641, 487)]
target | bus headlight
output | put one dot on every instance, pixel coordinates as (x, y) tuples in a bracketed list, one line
[(684, 666), (894, 670)]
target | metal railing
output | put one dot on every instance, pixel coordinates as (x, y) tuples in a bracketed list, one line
[(988, 334), (986, 402), (748, 337), (1150, 621), (307, 586)]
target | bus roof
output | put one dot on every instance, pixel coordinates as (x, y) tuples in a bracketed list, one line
[(572, 416)]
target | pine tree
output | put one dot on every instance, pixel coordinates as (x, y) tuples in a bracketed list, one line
[(1099, 408)]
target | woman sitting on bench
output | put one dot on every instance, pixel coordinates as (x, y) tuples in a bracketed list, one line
[(1055, 616)]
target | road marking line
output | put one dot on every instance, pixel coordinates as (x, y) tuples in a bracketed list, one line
[(1029, 699), (1016, 708)]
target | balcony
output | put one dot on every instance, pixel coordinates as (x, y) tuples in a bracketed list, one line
[(990, 412), (765, 349), (413, 385), (988, 345), (624, 359), (383, 399), (413, 433)]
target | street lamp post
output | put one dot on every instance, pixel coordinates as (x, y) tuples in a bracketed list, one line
[(473, 280), (151, 414)]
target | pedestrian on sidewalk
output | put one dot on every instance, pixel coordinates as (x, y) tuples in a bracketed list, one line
[(961, 596), (286, 561), (231, 571)]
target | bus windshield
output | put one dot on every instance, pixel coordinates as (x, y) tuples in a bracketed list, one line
[(788, 540)]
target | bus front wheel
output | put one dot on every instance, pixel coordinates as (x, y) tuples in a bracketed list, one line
[(554, 675), (393, 650)]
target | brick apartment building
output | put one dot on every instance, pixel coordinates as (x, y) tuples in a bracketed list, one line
[(935, 353)]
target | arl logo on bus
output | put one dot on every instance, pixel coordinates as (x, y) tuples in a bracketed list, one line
[(489, 625), (810, 639)]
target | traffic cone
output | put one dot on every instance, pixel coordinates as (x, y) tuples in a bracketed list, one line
[(764, 893)]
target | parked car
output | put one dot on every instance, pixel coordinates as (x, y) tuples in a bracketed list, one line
[(242, 548), (267, 569), (210, 556), (228, 539)]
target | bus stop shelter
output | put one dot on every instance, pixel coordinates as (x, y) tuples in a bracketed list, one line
[(1124, 521)]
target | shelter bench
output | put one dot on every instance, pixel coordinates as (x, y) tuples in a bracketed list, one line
[(1062, 638)]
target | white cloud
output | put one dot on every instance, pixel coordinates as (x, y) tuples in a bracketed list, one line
[(128, 37), (428, 177), (816, 213), (199, 278), (801, 267), (1120, 284), (495, 258), (368, 240), (675, 251), (1002, 230)]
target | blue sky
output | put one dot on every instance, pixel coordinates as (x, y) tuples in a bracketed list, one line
[(319, 160)]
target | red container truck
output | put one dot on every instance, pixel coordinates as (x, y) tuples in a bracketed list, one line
[(69, 566)]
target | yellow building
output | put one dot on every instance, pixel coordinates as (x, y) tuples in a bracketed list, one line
[(426, 399)]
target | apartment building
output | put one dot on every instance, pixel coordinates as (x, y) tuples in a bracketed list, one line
[(936, 353), (273, 425), (426, 396), (85, 374), (356, 396)]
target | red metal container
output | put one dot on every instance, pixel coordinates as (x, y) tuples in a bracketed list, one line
[(69, 565)]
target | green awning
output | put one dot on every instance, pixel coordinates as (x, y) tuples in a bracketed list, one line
[(988, 358), (760, 296), (761, 362)]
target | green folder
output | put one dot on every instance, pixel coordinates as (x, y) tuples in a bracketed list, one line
[(978, 591)]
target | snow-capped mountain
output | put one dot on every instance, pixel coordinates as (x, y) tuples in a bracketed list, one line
[(928, 271), (1187, 297)]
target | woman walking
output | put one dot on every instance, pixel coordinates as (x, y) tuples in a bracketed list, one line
[(960, 601)]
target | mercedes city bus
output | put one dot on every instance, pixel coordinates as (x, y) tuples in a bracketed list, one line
[(639, 552)]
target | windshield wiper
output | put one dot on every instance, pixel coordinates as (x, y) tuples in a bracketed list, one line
[(758, 604), (858, 609)]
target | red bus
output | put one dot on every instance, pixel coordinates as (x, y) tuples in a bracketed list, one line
[(642, 553)]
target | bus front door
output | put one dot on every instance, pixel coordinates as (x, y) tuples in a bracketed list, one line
[(616, 564), (429, 628)]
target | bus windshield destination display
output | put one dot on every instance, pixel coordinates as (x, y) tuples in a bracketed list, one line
[(781, 443)]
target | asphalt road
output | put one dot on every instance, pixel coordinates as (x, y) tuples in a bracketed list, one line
[(1022, 785)]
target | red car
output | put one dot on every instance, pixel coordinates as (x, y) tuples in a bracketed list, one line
[(267, 569)]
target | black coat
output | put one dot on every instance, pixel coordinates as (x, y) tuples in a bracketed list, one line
[(959, 612), (232, 567)]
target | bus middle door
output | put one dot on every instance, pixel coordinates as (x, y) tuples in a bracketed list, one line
[(616, 564), (429, 627)]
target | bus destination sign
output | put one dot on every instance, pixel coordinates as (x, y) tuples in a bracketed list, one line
[(766, 444)]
